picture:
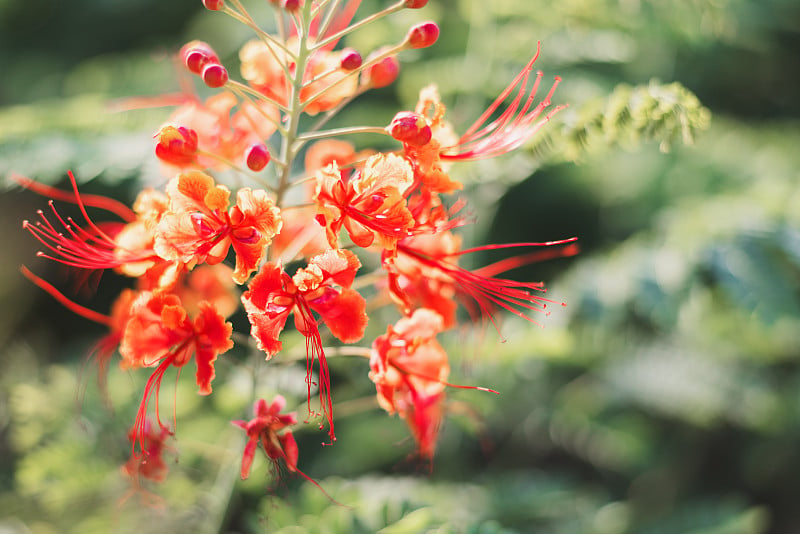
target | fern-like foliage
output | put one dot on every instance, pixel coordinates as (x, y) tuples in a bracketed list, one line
[(631, 115)]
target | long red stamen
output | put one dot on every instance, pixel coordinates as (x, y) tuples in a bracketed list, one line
[(315, 351), (439, 381), (76, 247), (141, 416), (93, 201), (64, 301), (552, 251), (512, 128), (486, 291)]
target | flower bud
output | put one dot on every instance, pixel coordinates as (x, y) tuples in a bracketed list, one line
[(215, 75), (292, 5), (350, 59), (423, 35), (382, 73), (214, 5), (257, 157), (176, 145), (416, 4), (196, 55), (410, 128)]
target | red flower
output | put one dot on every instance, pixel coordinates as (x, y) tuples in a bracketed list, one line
[(149, 464), (410, 372), (199, 227), (324, 287), (265, 427), (369, 205), (272, 429), (159, 332)]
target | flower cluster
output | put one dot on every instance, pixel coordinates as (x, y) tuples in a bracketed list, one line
[(293, 243)]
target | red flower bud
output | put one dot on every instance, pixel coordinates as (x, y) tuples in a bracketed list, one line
[(416, 4), (292, 5), (215, 75), (351, 59), (382, 73), (196, 55), (257, 157), (214, 5), (176, 145), (410, 128), (423, 35)]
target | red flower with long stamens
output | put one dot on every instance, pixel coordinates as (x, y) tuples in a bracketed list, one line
[(160, 333), (322, 287), (150, 464), (422, 261), (410, 371), (272, 429), (199, 227), (368, 205), (409, 368), (93, 247), (515, 125)]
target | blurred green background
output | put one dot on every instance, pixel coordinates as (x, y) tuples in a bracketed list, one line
[(665, 398)]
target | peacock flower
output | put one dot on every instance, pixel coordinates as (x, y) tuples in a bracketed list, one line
[(160, 333), (272, 429), (369, 205), (409, 368), (200, 228), (326, 82), (322, 287)]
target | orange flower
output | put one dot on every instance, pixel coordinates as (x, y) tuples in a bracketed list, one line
[(199, 227), (410, 371), (325, 82), (324, 287), (369, 205), (149, 463), (160, 333)]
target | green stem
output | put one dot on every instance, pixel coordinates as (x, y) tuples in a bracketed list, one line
[(295, 109), (341, 131), (360, 24)]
